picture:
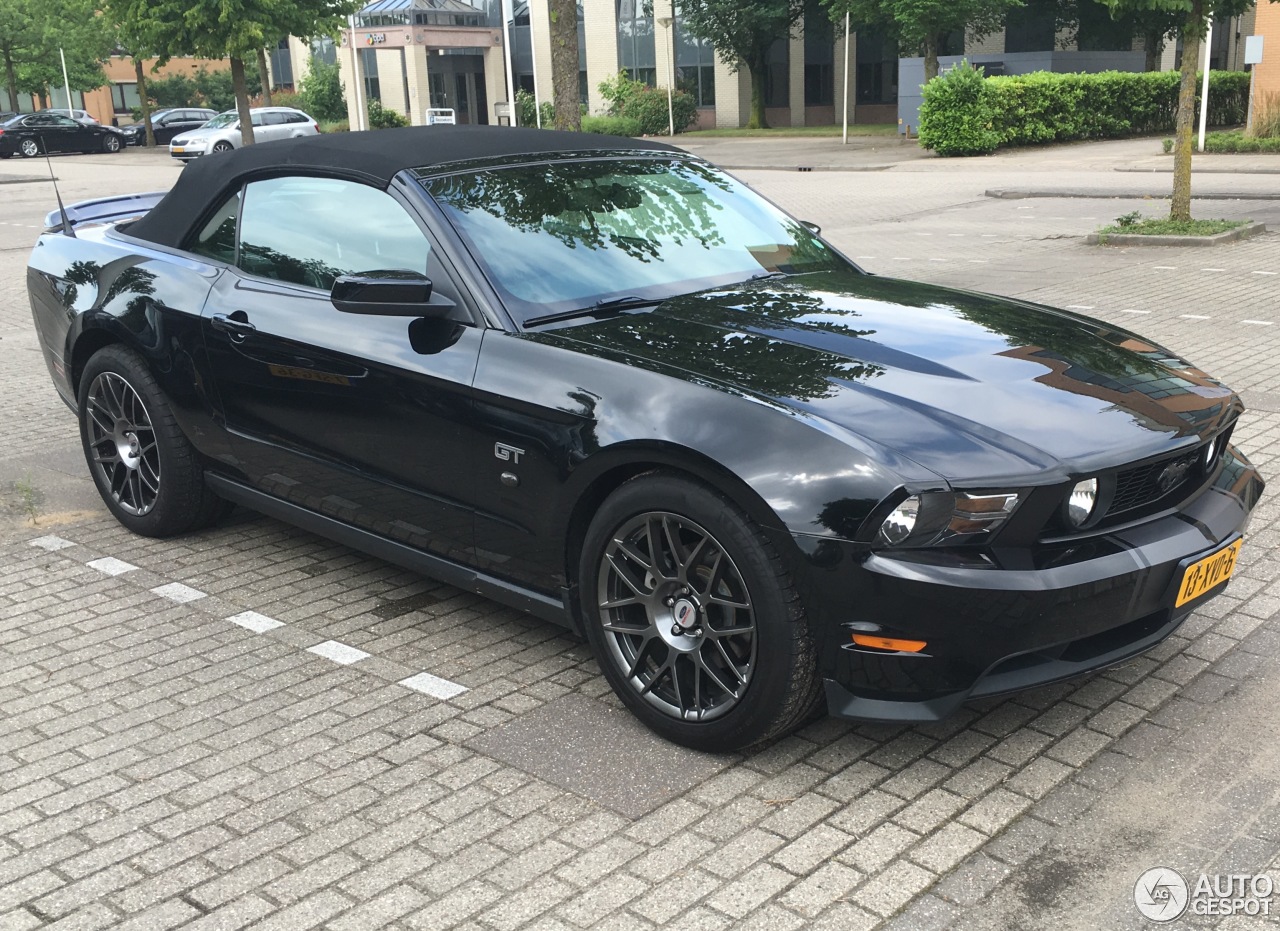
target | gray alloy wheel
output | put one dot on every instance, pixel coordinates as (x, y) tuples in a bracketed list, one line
[(222, 147), (123, 443), (678, 616), (28, 148), (110, 143)]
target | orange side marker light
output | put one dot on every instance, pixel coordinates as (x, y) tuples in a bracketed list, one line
[(889, 643)]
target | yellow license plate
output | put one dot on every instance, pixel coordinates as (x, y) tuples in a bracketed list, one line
[(1208, 572), (178, 149)]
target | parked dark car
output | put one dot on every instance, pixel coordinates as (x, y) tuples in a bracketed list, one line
[(166, 124), (37, 133), (607, 384)]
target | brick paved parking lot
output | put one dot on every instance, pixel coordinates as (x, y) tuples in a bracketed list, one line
[(254, 727)]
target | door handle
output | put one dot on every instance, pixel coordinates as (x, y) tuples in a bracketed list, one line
[(236, 325)]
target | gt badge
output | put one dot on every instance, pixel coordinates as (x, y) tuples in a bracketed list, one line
[(507, 453)]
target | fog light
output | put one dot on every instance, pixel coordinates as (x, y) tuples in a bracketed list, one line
[(1083, 499), (900, 522)]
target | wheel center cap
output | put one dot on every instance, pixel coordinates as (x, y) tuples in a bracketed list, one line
[(686, 613)]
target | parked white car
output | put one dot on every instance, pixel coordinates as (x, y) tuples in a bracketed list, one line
[(222, 133)]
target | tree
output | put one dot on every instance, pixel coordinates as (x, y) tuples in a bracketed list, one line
[(742, 32), (321, 91), (31, 34), (231, 29), (923, 25), (565, 64), (1193, 20)]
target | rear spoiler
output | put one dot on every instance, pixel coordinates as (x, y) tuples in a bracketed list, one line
[(103, 210)]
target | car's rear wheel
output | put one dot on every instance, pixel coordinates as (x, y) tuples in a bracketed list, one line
[(110, 144), (28, 148), (146, 471), (222, 147), (693, 617)]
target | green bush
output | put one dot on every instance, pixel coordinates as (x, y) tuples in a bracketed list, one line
[(528, 116), (280, 98), (1044, 107), (647, 105), (322, 93), (335, 126), (382, 118), (956, 116), (204, 88), (1239, 142), (611, 125)]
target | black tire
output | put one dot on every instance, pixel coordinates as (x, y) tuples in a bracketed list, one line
[(219, 147), (28, 148), (110, 144), (146, 471), (672, 643)]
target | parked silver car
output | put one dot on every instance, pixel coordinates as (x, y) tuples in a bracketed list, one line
[(222, 133)]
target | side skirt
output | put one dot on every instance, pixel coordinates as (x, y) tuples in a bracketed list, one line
[(460, 576)]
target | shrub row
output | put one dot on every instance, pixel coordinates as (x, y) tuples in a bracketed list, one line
[(966, 114), (1239, 142), (647, 106)]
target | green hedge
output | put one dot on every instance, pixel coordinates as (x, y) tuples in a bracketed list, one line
[(1239, 142), (611, 126), (1043, 107)]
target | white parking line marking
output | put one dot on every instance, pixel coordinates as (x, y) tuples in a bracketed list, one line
[(1130, 310), (1213, 269), (979, 261), (51, 543), (901, 258), (112, 566), (1194, 317), (937, 260), (1258, 322), (1165, 268), (1267, 273), (340, 653), (956, 235), (1079, 307), (252, 620), (176, 591), (434, 686), (866, 256)]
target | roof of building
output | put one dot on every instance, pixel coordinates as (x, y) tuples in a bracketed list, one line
[(373, 157), (404, 6)]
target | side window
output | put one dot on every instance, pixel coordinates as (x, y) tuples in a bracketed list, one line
[(274, 119), (296, 118), (256, 119), (308, 231), (217, 238)]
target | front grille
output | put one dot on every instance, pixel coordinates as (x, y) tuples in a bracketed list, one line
[(1141, 485)]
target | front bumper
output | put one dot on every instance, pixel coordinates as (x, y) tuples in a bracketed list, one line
[(187, 152), (1003, 622)]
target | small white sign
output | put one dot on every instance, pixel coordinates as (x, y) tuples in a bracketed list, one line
[(1253, 50)]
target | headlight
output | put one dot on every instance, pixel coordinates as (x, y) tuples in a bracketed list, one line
[(938, 517), (1081, 502)]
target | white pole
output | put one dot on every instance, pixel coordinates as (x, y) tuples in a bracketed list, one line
[(508, 54), (355, 73), (533, 60), (669, 24), (846, 77), (66, 81), (1204, 87)]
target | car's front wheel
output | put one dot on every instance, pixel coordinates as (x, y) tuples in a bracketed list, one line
[(693, 617), (110, 144), (147, 472), (28, 148), (222, 147)]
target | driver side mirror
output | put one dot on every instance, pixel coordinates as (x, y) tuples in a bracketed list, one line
[(387, 293)]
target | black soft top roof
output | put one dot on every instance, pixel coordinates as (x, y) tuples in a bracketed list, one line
[(374, 157)]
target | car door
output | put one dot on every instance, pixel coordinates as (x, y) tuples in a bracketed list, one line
[(355, 416), (70, 135), (42, 127)]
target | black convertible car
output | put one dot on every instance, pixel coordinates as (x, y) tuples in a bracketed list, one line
[(607, 384)]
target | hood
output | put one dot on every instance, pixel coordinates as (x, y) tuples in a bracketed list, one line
[(974, 387)]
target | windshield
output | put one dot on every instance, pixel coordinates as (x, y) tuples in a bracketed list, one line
[(562, 236), (221, 121)]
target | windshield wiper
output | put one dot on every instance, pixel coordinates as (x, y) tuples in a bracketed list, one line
[(598, 309)]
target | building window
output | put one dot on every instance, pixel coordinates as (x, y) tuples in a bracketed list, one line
[(877, 74), (819, 61), (695, 65), (124, 98), (323, 49), (636, 54), (1031, 28), (777, 75), (369, 71), (281, 65)]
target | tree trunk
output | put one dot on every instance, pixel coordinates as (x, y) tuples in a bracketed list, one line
[(42, 101), (757, 69), (150, 141), (930, 58), (1154, 43), (11, 80), (565, 65), (266, 77), (242, 100), (1180, 208)]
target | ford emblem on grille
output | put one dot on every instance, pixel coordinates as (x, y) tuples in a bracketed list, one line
[(1173, 473)]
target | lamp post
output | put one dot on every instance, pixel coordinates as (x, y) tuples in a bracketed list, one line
[(665, 22)]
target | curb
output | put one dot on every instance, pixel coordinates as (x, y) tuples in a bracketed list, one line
[(23, 179), (1013, 194), (1218, 239)]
